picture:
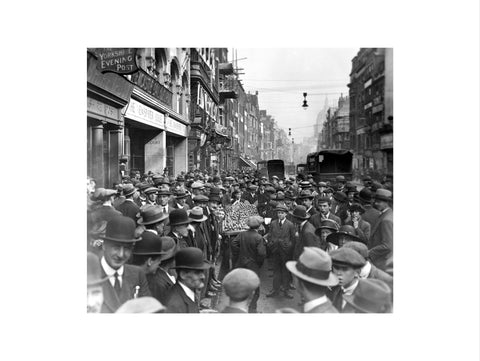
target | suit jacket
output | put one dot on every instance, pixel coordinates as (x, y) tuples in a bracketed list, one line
[(229, 309), (381, 275), (181, 242), (316, 219), (178, 302), (312, 211), (129, 209), (380, 247), (371, 215), (248, 197), (132, 276), (104, 214), (159, 284), (306, 238), (326, 307), (281, 239), (363, 230), (248, 250)]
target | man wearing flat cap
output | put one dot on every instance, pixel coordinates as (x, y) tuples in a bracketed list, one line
[(99, 217), (190, 267), (280, 241), (312, 277), (248, 251), (151, 193), (125, 281), (347, 264), (370, 296), (240, 285), (129, 208), (251, 195), (380, 246)]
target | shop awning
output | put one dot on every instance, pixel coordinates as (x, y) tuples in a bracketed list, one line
[(246, 163)]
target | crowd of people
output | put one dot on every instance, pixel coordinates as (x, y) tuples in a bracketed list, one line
[(154, 242)]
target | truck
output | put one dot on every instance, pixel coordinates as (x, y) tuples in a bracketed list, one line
[(270, 168), (327, 164)]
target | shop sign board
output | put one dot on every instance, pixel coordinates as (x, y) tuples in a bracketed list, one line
[(96, 107), (143, 114), (116, 60), (173, 126), (386, 141)]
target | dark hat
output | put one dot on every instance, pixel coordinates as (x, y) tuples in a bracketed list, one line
[(128, 189), (340, 196), (94, 274), (347, 257), (375, 185), (371, 296), (150, 190), (143, 186), (305, 194), (198, 185), (214, 198), (351, 188), (152, 214), (315, 266), (344, 230), (151, 245), (366, 178), (356, 207), (196, 214), (121, 229), (254, 221), (365, 195), (300, 213), (340, 178), (270, 189), (281, 207), (383, 195), (180, 194), (280, 196), (178, 217), (164, 192), (324, 200), (191, 258), (360, 247), (328, 190), (215, 190), (290, 195), (145, 304), (216, 179), (252, 187), (200, 198), (327, 224), (169, 247), (180, 178), (240, 283)]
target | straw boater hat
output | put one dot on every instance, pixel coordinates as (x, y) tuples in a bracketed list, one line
[(370, 296), (150, 190), (196, 214), (315, 266), (305, 194)]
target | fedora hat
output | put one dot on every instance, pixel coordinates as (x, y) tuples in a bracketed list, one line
[(121, 229), (150, 190), (215, 190), (102, 194), (340, 196), (324, 200), (340, 178), (383, 195), (347, 257), (214, 198), (151, 245), (143, 186), (164, 192), (151, 215), (281, 207), (254, 222), (315, 266), (94, 274), (128, 189), (240, 283), (365, 195), (169, 247), (178, 217), (344, 230), (146, 304), (196, 214), (191, 258), (200, 198), (180, 194), (370, 296), (305, 194), (327, 224), (300, 213)]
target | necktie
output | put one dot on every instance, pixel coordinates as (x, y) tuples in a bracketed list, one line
[(281, 223), (164, 209), (116, 285)]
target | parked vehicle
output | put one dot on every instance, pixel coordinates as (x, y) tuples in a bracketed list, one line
[(325, 165), (269, 168)]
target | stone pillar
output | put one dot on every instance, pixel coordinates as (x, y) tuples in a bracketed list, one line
[(181, 156), (97, 155), (114, 152), (156, 153)]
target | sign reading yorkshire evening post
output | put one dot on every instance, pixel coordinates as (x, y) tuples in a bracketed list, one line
[(116, 60)]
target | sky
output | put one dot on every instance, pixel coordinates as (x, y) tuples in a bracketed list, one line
[(281, 76)]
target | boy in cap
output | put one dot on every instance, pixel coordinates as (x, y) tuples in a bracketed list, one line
[(347, 264), (240, 285), (312, 275), (125, 281), (354, 219), (280, 240), (248, 251)]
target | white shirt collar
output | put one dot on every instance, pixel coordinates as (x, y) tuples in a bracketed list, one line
[(310, 305), (386, 209), (349, 290), (188, 291), (152, 230), (110, 272), (128, 199), (365, 271), (179, 206), (303, 223), (325, 216)]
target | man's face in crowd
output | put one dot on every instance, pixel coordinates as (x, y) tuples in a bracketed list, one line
[(324, 208), (342, 239), (182, 230), (193, 279), (345, 274), (181, 201), (152, 197), (281, 215), (324, 234), (380, 205), (321, 189), (94, 299), (163, 200), (160, 226), (307, 202), (213, 205), (117, 253), (355, 214)]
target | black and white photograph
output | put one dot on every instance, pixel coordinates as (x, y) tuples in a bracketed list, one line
[(240, 180)]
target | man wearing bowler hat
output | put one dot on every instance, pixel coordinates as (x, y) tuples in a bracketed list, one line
[(125, 281), (280, 241), (179, 222), (380, 246), (165, 277), (344, 235), (306, 199), (190, 267), (180, 198), (312, 275), (305, 230), (129, 208), (248, 251), (240, 285), (94, 284), (371, 214)]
